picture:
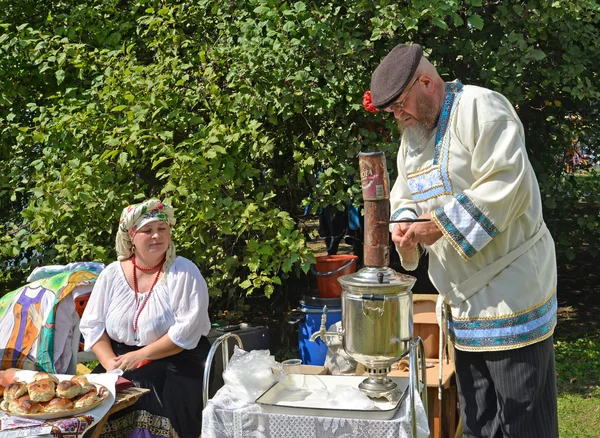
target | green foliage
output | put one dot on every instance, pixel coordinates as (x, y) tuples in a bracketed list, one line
[(242, 113)]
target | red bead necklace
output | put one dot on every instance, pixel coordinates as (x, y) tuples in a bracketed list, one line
[(147, 269), (135, 288)]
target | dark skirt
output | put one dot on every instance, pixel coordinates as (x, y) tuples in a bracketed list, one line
[(175, 398)]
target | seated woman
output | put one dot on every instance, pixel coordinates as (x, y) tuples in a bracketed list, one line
[(151, 305)]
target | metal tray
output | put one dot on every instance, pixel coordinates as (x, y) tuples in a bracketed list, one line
[(311, 399)]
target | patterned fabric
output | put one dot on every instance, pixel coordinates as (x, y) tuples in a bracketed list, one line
[(46, 271), (497, 258), (136, 216), (28, 320), (250, 421), (173, 407), (465, 225), (139, 424), (71, 427), (434, 180), (409, 259), (403, 213), (523, 328)]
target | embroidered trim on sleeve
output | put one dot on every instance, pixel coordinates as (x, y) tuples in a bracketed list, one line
[(402, 213), (465, 225)]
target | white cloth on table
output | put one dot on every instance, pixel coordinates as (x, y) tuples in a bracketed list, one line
[(107, 379), (242, 420), (178, 307)]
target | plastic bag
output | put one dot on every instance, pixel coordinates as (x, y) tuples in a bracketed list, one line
[(250, 373), (337, 361), (348, 397)]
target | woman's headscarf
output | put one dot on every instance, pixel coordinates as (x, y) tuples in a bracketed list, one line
[(135, 217)]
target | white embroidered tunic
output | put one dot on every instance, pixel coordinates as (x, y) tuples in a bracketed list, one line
[(495, 265), (177, 307)]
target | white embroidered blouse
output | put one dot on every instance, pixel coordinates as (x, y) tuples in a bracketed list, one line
[(177, 307)]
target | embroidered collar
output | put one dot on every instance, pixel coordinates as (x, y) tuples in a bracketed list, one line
[(453, 89)]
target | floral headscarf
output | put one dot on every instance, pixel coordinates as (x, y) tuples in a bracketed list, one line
[(135, 217)]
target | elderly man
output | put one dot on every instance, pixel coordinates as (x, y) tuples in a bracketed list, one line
[(462, 164)]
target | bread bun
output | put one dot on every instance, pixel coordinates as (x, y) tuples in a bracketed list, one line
[(41, 391), (14, 391), (83, 382), (42, 375), (58, 405), (87, 399), (45, 381), (1, 390), (67, 389), (23, 405)]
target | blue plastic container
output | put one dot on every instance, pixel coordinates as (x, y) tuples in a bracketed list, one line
[(311, 310)]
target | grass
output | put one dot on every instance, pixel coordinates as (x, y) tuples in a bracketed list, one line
[(579, 416), (577, 349), (578, 372)]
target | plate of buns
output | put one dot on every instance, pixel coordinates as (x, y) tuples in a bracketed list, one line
[(46, 397)]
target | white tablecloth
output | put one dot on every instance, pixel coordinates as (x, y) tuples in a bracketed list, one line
[(108, 380), (249, 421)]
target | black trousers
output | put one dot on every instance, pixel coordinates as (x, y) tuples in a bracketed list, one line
[(508, 394), (176, 387)]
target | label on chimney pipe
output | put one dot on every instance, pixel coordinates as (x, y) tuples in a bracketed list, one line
[(373, 176)]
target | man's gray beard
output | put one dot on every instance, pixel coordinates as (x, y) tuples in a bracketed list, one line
[(417, 137)]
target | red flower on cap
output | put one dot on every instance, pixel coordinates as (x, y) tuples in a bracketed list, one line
[(368, 103)]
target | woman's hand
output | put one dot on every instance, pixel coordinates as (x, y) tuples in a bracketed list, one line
[(130, 361), (110, 364), (104, 352)]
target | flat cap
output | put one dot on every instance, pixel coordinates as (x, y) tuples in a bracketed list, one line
[(391, 77)]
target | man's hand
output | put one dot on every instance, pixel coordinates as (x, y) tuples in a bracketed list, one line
[(399, 231), (425, 233)]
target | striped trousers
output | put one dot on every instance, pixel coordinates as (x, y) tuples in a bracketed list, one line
[(508, 394)]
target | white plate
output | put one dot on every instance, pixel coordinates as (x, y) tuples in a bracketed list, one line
[(103, 393), (308, 396)]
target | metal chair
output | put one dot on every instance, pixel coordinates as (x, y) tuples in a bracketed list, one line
[(224, 340)]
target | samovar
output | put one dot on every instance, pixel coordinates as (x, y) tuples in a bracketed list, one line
[(377, 306)]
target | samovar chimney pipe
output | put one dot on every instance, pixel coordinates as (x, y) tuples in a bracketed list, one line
[(376, 195)]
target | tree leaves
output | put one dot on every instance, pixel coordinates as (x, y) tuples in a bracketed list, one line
[(538, 55), (243, 113), (60, 76), (476, 21)]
